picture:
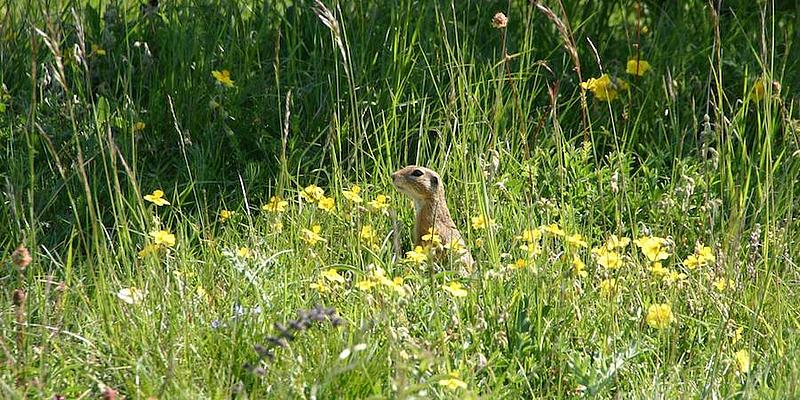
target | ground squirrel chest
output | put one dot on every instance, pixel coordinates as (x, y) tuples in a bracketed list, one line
[(425, 187)]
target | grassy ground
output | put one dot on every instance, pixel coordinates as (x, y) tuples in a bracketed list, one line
[(635, 236)]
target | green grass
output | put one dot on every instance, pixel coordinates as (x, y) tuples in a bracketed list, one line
[(105, 102)]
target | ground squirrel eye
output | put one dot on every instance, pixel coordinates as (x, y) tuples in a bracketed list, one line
[(417, 172)]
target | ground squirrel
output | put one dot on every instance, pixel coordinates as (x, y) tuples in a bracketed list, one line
[(426, 188)]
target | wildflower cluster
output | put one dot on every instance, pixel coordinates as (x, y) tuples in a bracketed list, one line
[(315, 194), (161, 239), (378, 278), (607, 87), (353, 194), (531, 241), (276, 205), (702, 257), (431, 242), (328, 281)]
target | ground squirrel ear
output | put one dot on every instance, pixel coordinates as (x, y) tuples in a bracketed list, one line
[(434, 181)]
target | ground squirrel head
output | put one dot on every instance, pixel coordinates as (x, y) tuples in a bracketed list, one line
[(419, 183)]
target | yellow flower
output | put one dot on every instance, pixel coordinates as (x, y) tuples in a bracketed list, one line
[(608, 287), (98, 50), (417, 256), (131, 295), (554, 229), (203, 294), (147, 250), (455, 289), (609, 259), (320, 286), (277, 226), (224, 215), (702, 256), (275, 205), (157, 198), (660, 316), (163, 238), (605, 88), (521, 263), (639, 67), (479, 242), (453, 383), (243, 252), (138, 126), (653, 247), (615, 242), (352, 194), (705, 254), (577, 240), (721, 284), (332, 275), (530, 235), (658, 270), (674, 277), (368, 235), (378, 277), (326, 203), (432, 237), (533, 249), (743, 361), (223, 77), (691, 262), (579, 267), (396, 284), (456, 247), (530, 241), (737, 334), (311, 236), (366, 284), (312, 193), (380, 203), (481, 222), (759, 89)]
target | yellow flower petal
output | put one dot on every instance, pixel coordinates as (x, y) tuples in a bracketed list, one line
[(157, 198), (638, 68), (660, 316)]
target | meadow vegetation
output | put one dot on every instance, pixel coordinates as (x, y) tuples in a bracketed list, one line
[(196, 199)]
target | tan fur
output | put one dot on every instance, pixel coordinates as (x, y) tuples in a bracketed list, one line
[(427, 191)]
